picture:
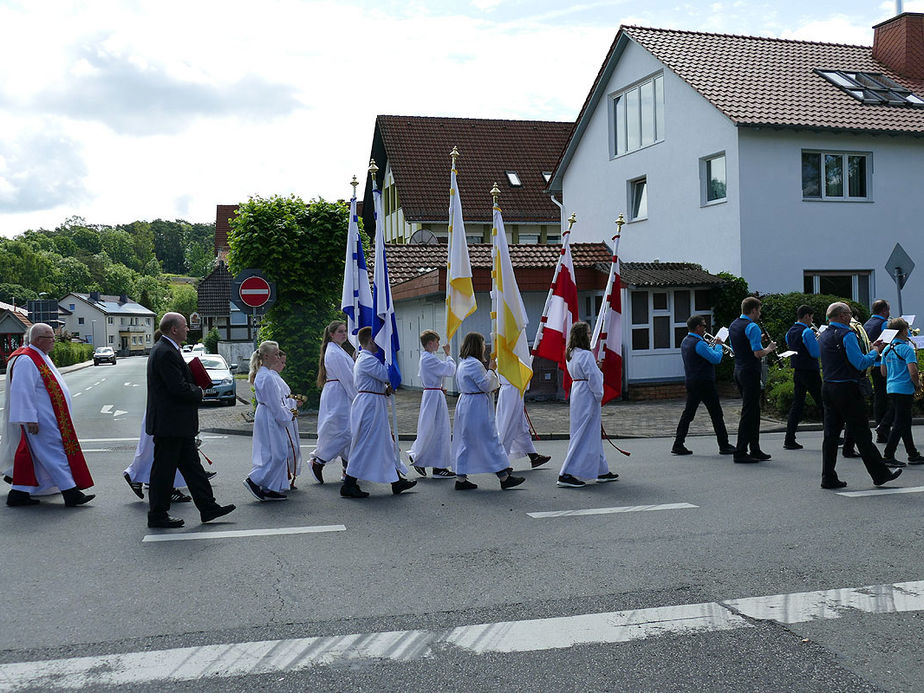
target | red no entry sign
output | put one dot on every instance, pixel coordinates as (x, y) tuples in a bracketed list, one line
[(255, 291)]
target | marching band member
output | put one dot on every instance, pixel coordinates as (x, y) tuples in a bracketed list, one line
[(269, 477), (585, 458), (434, 437), (372, 451), (865, 388), (699, 362), (842, 366), (335, 376), (476, 448), (903, 383), (744, 335), (512, 426), (881, 414), (805, 375)]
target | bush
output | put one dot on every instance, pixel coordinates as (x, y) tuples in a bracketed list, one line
[(69, 353), (778, 312), (726, 306), (779, 393), (211, 341)]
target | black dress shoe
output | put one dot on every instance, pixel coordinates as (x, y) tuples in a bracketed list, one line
[(537, 460), (465, 485), (837, 483), (745, 459), (915, 459), (882, 437), (849, 452), (402, 485), (727, 449), (511, 481), (317, 468), (681, 450), (216, 512), (891, 477), (167, 522), (210, 475), (352, 490), (74, 497), (135, 486), (792, 445), (760, 455), (20, 498)]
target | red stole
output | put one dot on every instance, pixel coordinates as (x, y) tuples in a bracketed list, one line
[(23, 468)]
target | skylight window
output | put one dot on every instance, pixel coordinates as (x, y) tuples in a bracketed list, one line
[(547, 175), (513, 179), (872, 88)]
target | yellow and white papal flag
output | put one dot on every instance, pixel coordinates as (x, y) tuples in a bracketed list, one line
[(511, 345), (460, 294)]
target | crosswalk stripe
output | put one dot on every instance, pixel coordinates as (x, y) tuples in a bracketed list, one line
[(279, 656), (882, 491), (236, 533), (609, 511)]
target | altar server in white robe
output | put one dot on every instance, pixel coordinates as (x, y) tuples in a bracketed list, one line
[(269, 477), (373, 455), (335, 377), (138, 472), (585, 459), (39, 452), (292, 402), (434, 436), (512, 426), (476, 448)]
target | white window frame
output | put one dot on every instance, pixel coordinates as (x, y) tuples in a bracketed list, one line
[(854, 275), (663, 312), (704, 166), (844, 154), (630, 191), (514, 179), (618, 101)]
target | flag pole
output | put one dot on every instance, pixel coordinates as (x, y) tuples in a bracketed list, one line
[(355, 267), (495, 268), (604, 306), (373, 169), (454, 155), (565, 242)]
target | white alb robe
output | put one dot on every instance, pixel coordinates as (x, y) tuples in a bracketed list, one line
[(139, 470), (512, 426), (476, 449), (372, 453), (270, 441), (295, 454), (27, 401), (585, 458), (434, 437), (336, 399)]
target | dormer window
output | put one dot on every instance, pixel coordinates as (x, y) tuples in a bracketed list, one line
[(513, 179), (547, 176), (872, 88)]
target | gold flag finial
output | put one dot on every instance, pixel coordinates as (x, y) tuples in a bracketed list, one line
[(373, 169), (571, 220), (495, 193), (454, 154), (354, 183), (619, 222)]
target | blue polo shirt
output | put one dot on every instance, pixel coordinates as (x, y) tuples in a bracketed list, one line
[(896, 357)]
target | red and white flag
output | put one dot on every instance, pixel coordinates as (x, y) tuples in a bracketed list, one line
[(560, 311), (607, 338)]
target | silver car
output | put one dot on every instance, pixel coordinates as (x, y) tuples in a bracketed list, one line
[(223, 388)]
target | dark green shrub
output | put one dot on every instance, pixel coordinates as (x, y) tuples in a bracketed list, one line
[(211, 341), (778, 312), (69, 353)]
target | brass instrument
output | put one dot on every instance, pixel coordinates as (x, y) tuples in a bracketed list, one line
[(711, 341), (815, 330)]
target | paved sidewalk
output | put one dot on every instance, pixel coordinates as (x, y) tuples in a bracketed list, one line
[(620, 419)]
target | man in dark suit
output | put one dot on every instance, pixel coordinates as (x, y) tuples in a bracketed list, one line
[(173, 419)]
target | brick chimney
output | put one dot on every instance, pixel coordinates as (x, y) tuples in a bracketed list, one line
[(899, 44)]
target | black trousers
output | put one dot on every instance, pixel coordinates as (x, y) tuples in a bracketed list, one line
[(748, 383), (900, 406), (845, 407), (171, 454), (802, 382), (880, 398), (702, 391)]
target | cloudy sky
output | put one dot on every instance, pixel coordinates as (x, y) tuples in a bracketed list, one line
[(137, 109)]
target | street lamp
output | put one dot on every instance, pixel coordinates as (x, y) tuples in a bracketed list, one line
[(93, 322)]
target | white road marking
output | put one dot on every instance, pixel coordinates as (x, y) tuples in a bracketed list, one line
[(77, 394), (126, 384), (310, 447), (882, 491), (235, 533), (119, 412), (135, 439), (284, 656), (609, 511), (89, 387), (107, 409)]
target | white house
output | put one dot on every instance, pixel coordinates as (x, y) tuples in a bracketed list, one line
[(115, 321)]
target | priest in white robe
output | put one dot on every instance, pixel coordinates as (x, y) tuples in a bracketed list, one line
[(335, 377), (431, 448), (513, 427), (40, 453), (373, 452)]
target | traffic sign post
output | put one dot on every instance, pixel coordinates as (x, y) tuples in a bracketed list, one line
[(899, 266), (254, 294)]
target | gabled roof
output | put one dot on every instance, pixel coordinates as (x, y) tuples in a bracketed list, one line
[(666, 274), (9, 306), (417, 148), (214, 292), (113, 305), (756, 81)]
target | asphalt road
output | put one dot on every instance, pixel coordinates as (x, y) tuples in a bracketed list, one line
[(491, 597)]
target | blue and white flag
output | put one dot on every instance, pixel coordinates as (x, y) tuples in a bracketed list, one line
[(384, 328), (356, 300)]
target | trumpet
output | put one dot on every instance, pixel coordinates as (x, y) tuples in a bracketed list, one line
[(711, 341)]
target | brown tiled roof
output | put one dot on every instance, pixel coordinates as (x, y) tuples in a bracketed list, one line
[(222, 214), (769, 81), (666, 274), (215, 292), (417, 148), (406, 262)]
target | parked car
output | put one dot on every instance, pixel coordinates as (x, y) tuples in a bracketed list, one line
[(223, 388), (104, 354), (186, 348), (198, 348)]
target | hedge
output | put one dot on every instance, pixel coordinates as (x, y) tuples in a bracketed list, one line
[(69, 353)]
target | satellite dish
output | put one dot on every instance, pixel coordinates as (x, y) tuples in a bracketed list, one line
[(423, 237)]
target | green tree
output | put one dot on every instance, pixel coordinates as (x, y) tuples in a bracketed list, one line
[(198, 260), (119, 280), (143, 239), (10, 293), (73, 275), (119, 247), (152, 293), (182, 298), (300, 247), (211, 341), (152, 268), (169, 245)]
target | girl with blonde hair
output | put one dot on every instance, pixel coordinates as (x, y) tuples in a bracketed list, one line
[(269, 477)]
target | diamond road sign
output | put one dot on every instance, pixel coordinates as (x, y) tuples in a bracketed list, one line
[(899, 266)]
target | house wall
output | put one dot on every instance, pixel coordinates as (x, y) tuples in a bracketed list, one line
[(783, 235), (595, 184)]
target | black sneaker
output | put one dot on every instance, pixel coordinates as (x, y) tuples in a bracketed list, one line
[(465, 485), (727, 449), (882, 436), (134, 485), (892, 462), (422, 470), (837, 483), (569, 481), (760, 455), (511, 481), (915, 459), (894, 475), (179, 497), (681, 450), (353, 491), (254, 490), (537, 460), (849, 452), (442, 473), (609, 476), (402, 485), (275, 496), (792, 445), (210, 475), (317, 468)]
